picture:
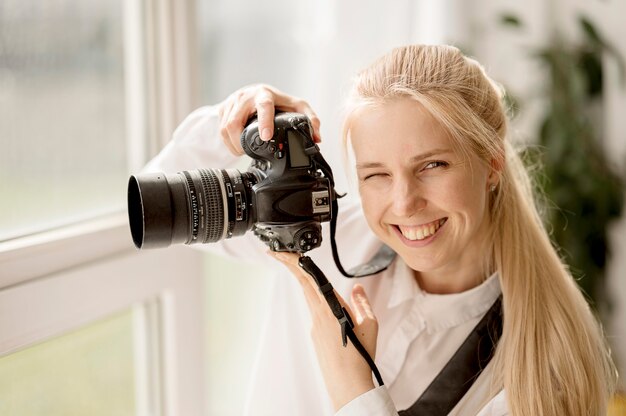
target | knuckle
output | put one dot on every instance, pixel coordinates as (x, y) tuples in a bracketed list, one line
[(224, 132), (240, 95), (232, 125), (264, 89), (299, 103), (264, 100), (315, 121)]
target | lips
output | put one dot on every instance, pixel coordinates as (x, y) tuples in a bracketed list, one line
[(422, 231)]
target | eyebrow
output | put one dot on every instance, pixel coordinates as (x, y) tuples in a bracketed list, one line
[(414, 159)]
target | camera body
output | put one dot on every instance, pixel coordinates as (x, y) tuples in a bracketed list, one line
[(283, 197), (291, 198)]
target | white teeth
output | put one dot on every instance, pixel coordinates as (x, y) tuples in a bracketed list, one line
[(419, 233)]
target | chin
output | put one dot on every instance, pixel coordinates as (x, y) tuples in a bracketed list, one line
[(418, 264)]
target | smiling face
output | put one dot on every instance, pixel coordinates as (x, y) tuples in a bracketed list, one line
[(420, 196)]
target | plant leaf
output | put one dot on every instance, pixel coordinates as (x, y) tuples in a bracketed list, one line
[(591, 32), (511, 20)]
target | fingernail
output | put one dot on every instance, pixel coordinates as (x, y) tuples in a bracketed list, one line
[(358, 291), (266, 134)]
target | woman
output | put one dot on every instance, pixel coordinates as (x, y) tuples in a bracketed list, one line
[(440, 185)]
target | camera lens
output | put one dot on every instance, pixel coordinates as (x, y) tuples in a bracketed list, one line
[(196, 206)]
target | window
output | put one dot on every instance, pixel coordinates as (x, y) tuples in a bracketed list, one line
[(78, 367), (62, 113), (87, 91)]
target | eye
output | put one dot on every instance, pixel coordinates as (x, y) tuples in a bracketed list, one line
[(373, 175), (435, 164)]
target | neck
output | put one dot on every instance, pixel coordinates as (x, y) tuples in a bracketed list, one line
[(442, 283), (463, 274)]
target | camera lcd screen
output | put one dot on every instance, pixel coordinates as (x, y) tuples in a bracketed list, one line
[(297, 157)]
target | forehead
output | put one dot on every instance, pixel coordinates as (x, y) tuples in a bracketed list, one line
[(394, 131)]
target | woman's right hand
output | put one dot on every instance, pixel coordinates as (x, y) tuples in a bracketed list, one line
[(237, 108)]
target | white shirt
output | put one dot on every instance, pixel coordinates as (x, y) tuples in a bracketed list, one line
[(418, 332)]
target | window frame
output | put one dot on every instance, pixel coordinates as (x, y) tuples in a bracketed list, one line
[(166, 295), (160, 82)]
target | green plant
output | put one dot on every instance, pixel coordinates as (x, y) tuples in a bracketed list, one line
[(577, 176)]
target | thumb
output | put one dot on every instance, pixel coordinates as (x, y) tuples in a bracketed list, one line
[(361, 305)]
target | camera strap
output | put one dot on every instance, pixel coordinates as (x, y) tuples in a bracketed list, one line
[(379, 262), (342, 315), (383, 257)]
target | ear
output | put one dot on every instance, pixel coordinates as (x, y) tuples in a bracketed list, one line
[(496, 167)]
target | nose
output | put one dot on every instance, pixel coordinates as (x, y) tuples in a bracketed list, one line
[(407, 198)]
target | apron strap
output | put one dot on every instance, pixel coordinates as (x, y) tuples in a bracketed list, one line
[(467, 363)]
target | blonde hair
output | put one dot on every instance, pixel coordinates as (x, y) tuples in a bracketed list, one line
[(552, 358)]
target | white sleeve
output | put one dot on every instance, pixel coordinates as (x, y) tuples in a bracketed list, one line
[(375, 402), (195, 144)]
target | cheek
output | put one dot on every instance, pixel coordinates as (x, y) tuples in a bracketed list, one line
[(373, 205), (467, 198)]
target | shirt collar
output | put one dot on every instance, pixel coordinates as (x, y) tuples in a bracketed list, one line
[(442, 311), (403, 284)]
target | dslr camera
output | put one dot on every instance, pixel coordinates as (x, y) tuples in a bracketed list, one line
[(283, 197)]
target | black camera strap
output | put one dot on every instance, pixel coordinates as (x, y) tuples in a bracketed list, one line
[(342, 315), (379, 262), (383, 257)]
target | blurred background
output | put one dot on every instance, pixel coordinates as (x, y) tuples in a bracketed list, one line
[(90, 90)]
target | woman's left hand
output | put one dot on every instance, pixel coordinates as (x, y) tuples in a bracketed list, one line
[(345, 371)]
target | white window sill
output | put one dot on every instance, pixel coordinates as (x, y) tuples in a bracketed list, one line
[(31, 257)]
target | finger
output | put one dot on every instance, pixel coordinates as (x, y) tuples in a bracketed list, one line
[(316, 300), (221, 109), (315, 123), (224, 114), (239, 114), (289, 103), (290, 260), (301, 106), (264, 103), (363, 309)]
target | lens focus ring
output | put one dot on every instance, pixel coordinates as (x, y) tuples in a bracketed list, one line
[(215, 198)]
